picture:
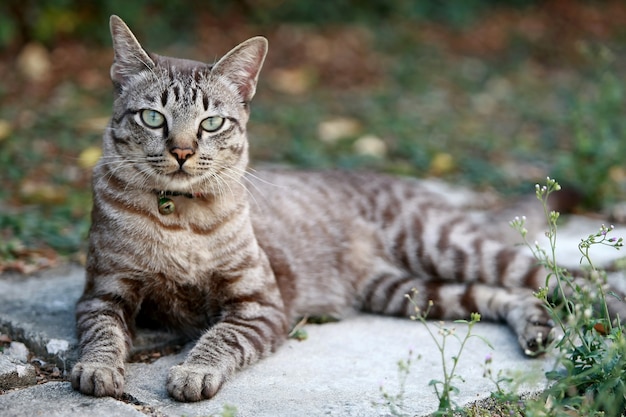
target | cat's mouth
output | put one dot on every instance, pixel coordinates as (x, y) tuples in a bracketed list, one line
[(179, 179), (180, 173)]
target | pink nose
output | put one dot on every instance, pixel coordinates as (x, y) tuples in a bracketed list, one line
[(182, 154)]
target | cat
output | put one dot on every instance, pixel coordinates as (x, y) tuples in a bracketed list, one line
[(183, 237)]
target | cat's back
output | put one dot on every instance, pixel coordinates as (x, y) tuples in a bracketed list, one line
[(305, 199), (321, 215), (346, 193), (328, 209)]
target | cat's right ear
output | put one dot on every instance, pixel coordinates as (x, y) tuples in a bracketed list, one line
[(130, 58), (241, 66)]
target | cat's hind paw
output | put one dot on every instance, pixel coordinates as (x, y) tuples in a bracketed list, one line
[(533, 326), (98, 380), (193, 382), (536, 336)]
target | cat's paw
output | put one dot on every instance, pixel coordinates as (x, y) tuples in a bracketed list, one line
[(98, 380), (536, 335), (533, 326), (193, 382)]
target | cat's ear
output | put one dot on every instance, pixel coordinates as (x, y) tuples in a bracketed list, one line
[(130, 58), (242, 65)]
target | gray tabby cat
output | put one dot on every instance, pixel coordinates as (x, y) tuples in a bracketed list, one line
[(184, 238)]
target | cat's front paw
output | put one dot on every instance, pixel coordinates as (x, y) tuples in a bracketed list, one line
[(193, 382), (98, 380)]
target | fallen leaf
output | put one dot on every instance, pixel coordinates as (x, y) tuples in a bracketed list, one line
[(370, 145), (89, 157), (599, 327), (5, 129), (332, 130), (33, 62), (94, 124), (291, 81), (42, 193), (441, 164)]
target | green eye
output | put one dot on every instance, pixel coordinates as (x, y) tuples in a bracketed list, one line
[(152, 118), (213, 123)]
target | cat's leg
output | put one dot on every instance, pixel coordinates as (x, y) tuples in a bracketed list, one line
[(253, 325), (388, 294), (104, 339), (524, 313)]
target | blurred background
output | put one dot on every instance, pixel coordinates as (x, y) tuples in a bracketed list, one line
[(494, 95)]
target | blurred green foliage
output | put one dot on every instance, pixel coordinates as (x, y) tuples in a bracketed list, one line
[(161, 21), (595, 161), (548, 101), (53, 20)]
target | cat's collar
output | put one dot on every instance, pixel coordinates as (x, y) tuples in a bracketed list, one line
[(166, 204), (167, 193)]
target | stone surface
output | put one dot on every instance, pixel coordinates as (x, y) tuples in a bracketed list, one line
[(339, 369), (57, 399), (15, 374), (17, 351), (34, 310)]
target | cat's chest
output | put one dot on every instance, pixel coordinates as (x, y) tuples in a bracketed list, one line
[(181, 254), (185, 245)]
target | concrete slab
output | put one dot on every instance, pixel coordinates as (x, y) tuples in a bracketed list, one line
[(58, 399), (15, 374), (38, 310), (338, 370)]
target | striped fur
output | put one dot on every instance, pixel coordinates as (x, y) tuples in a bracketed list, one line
[(243, 256)]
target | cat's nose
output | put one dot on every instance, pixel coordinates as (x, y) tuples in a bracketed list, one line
[(182, 154)]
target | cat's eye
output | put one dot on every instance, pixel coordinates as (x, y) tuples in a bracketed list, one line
[(152, 118), (211, 124)]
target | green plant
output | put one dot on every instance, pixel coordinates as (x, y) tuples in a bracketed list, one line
[(589, 375), (444, 388), (507, 400), (395, 402)]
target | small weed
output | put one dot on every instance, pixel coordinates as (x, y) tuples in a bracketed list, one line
[(395, 402), (444, 388), (589, 375), (507, 401)]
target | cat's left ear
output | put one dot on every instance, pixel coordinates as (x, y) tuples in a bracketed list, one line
[(130, 58), (242, 65)]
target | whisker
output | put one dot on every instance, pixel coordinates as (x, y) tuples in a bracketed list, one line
[(249, 171), (237, 177)]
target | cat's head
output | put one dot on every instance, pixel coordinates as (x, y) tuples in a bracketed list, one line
[(180, 125)]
